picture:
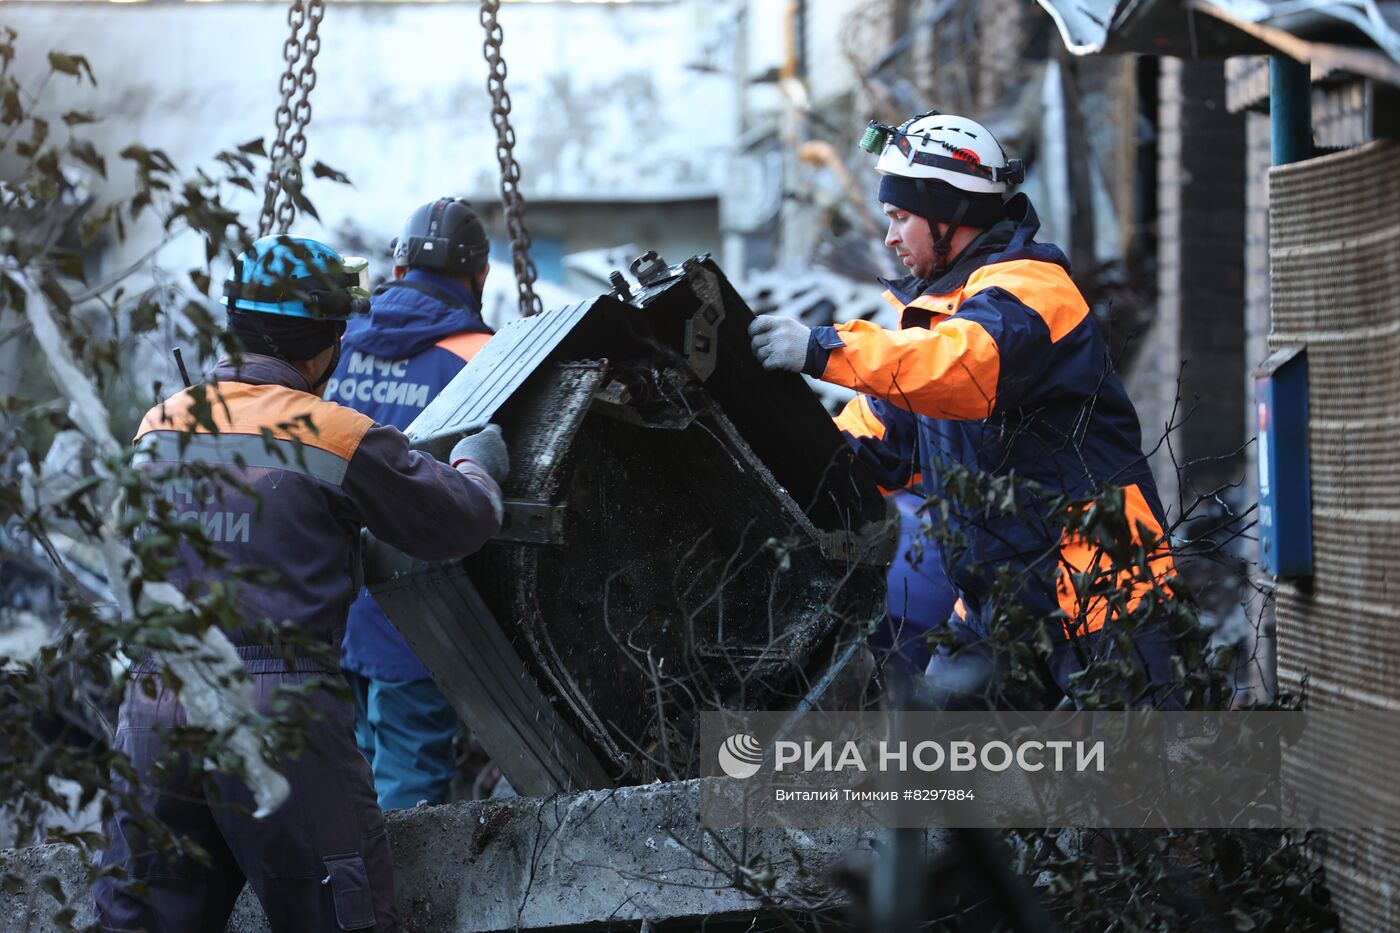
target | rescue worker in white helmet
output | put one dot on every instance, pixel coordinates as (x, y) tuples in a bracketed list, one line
[(297, 479), (998, 369)]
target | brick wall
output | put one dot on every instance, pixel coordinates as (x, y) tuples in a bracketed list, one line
[(1199, 332), (1152, 380), (1212, 279)]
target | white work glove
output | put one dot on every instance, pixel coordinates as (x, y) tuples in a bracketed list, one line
[(487, 449), (780, 343)]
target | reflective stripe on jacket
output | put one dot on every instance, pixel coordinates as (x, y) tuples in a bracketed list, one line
[(303, 475), (418, 336), (999, 366)]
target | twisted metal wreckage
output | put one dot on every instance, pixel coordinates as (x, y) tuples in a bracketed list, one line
[(683, 531)]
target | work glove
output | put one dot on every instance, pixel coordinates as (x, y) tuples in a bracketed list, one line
[(487, 449), (780, 343)]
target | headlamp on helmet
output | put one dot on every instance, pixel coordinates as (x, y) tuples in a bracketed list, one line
[(876, 137)]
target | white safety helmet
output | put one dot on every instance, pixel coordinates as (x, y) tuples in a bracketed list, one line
[(947, 148)]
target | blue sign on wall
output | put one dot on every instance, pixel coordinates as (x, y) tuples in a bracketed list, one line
[(546, 251), (1285, 489)]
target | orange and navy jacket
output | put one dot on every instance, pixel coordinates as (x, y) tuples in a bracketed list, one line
[(998, 366), (419, 334), (298, 478)]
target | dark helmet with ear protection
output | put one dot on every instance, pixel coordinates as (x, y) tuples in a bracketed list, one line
[(446, 236)]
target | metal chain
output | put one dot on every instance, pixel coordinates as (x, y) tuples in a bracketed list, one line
[(511, 199), (286, 154), (291, 52)]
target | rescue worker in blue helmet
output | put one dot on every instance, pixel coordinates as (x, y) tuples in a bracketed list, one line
[(297, 478), (997, 370), (422, 329)]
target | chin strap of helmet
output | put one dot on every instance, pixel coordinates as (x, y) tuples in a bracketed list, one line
[(330, 367), (942, 245)]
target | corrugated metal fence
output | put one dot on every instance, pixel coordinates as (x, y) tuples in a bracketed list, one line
[(1335, 264)]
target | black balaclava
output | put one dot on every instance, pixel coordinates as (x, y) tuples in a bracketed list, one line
[(291, 339), (939, 202)]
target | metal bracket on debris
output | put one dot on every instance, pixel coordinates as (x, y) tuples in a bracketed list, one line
[(702, 340), (528, 522), (650, 269), (702, 330)]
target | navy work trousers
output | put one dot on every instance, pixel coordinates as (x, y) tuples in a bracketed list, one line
[(321, 862)]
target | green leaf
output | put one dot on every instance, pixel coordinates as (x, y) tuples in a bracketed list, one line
[(75, 65), (7, 48), (11, 108), (300, 200), (1042, 641), (149, 160), (93, 223), (37, 136), (322, 170), (50, 182), (196, 314), (71, 265), (56, 293), (235, 162), (86, 153), (144, 316)]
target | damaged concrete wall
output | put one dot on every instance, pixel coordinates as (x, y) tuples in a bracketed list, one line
[(609, 109), (830, 72), (539, 863)]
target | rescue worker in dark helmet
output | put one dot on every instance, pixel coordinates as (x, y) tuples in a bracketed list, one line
[(998, 368), (298, 479), (422, 328)]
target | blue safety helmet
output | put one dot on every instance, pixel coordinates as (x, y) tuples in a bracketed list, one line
[(296, 276)]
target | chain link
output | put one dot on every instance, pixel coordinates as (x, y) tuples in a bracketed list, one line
[(511, 199), (287, 152)]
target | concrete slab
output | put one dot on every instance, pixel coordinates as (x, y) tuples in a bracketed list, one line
[(530, 864)]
